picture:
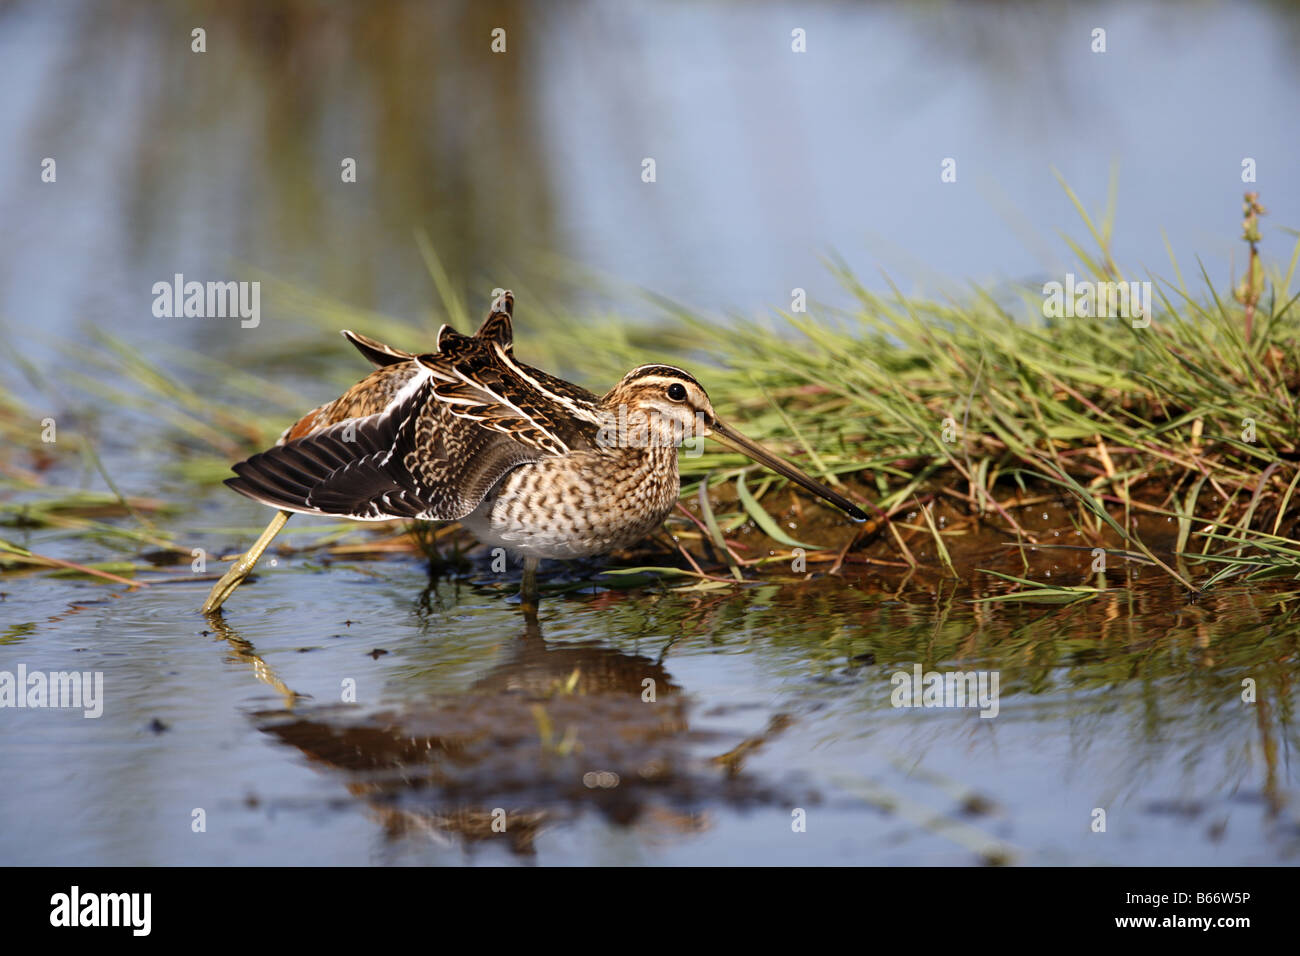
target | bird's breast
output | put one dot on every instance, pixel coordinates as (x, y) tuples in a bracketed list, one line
[(586, 503)]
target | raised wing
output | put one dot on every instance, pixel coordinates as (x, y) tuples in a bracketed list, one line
[(423, 436), (478, 381), (413, 460)]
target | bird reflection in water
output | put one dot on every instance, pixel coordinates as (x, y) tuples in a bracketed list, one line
[(547, 733)]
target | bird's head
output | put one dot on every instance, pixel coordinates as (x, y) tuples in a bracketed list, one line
[(660, 405)]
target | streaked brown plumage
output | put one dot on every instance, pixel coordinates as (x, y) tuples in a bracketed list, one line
[(525, 460)]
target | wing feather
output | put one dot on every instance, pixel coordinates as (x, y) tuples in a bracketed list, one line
[(424, 436), (415, 459)]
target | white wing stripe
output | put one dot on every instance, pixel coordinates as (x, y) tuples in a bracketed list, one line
[(506, 403), (579, 411)]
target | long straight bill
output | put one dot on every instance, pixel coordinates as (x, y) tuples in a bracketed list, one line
[(740, 443)]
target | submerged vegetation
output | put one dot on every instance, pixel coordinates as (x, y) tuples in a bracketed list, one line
[(1173, 441)]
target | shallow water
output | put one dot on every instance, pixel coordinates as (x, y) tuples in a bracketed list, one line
[(1131, 704)]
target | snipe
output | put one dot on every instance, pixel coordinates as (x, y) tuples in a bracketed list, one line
[(521, 458)]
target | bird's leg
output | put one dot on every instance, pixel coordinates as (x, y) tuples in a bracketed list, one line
[(244, 566), (528, 586)]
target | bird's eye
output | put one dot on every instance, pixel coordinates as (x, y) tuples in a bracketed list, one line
[(677, 392)]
